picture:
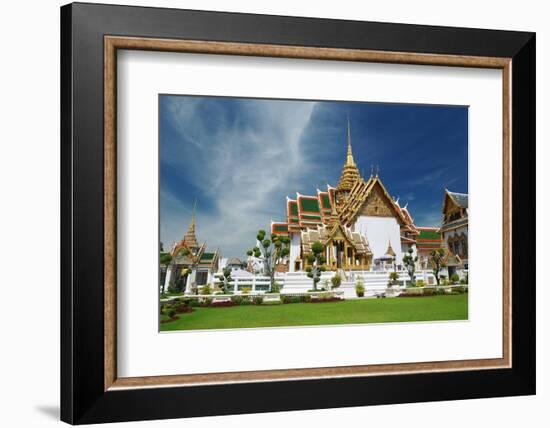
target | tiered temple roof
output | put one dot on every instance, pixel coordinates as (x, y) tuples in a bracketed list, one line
[(190, 239), (455, 210), (196, 253), (314, 215), (429, 239), (325, 233)]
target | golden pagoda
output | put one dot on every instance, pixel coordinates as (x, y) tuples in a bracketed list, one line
[(350, 173), (189, 239)]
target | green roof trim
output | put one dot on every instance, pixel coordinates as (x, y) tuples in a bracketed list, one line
[(280, 227), (429, 234), (311, 216), (207, 256), (293, 208), (325, 200), (311, 205)]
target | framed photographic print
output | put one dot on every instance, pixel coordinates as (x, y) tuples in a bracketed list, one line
[(308, 213)]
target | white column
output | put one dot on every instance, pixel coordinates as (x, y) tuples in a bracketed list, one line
[(190, 280), (167, 278)]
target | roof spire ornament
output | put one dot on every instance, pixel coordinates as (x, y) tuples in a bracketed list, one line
[(350, 173), (349, 160), (190, 239), (389, 251)]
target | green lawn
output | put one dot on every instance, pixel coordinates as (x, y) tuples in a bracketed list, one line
[(433, 308)]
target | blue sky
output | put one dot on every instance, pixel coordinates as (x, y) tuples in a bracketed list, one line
[(240, 158)]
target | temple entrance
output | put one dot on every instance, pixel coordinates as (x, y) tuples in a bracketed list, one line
[(339, 253)]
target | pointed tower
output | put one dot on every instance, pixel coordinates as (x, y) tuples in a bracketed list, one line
[(350, 173), (190, 240)]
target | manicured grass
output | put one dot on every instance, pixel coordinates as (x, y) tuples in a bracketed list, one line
[(356, 311)]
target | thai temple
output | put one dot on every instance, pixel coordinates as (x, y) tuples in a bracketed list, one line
[(361, 226), (454, 230), (191, 264), (364, 230)]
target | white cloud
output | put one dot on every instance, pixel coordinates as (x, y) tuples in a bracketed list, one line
[(248, 167)]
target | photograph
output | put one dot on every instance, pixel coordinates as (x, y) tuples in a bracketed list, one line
[(290, 212)]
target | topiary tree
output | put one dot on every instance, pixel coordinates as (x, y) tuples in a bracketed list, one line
[(336, 281), (271, 252), (437, 262), (317, 261), (394, 277), (225, 280), (360, 287), (410, 263), (165, 258)]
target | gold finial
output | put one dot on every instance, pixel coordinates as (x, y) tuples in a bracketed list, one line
[(350, 173), (349, 160), (194, 212)]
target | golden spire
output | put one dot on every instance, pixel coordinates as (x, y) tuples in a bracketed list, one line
[(349, 160), (190, 240), (194, 213), (350, 173)]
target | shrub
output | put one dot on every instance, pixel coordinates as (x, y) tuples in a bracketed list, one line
[(295, 299), (286, 298), (206, 289), (237, 300), (336, 281), (306, 298), (193, 303), (455, 278), (420, 283), (245, 290), (439, 291), (460, 290), (415, 292), (276, 288), (394, 276), (432, 291), (258, 300), (360, 289), (172, 313), (205, 301), (222, 304)]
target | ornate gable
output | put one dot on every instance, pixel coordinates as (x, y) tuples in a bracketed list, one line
[(370, 199), (377, 204)]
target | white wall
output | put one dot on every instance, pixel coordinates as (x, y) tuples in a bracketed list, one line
[(294, 250), (30, 159), (380, 231)]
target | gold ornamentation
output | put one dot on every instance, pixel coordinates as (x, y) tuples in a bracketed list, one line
[(376, 205)]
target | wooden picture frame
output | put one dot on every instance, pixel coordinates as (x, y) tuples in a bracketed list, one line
[(91, 390)]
